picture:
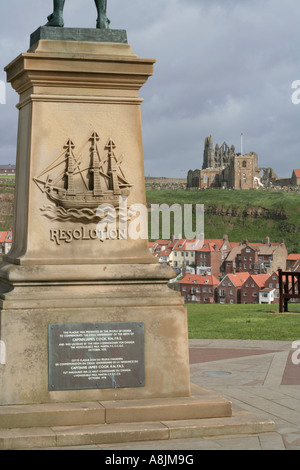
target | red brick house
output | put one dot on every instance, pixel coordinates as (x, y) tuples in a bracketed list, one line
[(229, 289), (211, 256), (251, 288), (198, 289), (257, 258)]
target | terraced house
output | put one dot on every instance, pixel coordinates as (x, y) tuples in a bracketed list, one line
[(229, 289), (198, 289), (252, 287), (184, 253), (257, 258)]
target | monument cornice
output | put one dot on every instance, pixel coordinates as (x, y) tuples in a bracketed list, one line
[(68, 66)]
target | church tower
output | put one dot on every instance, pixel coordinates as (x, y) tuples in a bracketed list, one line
[(208, 153)]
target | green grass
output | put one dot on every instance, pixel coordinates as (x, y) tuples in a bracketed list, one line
[(249, 322), (278, 218)]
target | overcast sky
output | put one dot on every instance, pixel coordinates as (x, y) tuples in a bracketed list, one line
[(224, 67)]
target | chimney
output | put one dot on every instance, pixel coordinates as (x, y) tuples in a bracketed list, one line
[(267, 241)]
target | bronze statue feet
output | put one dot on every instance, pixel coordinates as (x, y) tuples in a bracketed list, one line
[(103, 23), (55, 20)]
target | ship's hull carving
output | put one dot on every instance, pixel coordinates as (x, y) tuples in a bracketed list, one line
[(78, 184)]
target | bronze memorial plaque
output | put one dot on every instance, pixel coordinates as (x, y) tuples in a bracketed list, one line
[(96, 355)]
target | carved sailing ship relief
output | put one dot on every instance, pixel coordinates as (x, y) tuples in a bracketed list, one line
[(77, 185)]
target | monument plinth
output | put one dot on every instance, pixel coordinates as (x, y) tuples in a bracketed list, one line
[(80, 147), (90, 334)]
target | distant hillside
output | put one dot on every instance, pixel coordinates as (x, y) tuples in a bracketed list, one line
[(243, 214), (153, 183), (6, 208)]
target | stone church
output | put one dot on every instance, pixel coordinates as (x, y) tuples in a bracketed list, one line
[(223, 168)]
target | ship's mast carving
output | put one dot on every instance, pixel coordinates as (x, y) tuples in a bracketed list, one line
[(112, 170), (95, 170), (70, 171)]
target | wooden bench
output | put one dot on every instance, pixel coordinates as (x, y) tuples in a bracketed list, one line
[(289, 283)]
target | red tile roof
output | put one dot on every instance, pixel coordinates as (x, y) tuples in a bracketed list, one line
[(293, 257), (297, 173), (188, 245), (199, 279), (165, 252), (3, 236), (260, 279), (238, 279)]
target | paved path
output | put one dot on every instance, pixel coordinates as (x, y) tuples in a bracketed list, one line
[(257, 376)]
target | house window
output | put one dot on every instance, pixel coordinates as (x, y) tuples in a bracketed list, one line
[(222, 293), (248, 250), (245, 294), (254, 294), (184, 289), (231, 301)]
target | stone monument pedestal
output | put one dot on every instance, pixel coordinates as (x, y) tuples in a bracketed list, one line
[(90, 332), (80, 147)]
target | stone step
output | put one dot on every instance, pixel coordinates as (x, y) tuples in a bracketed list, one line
[(241, 423), (202, 404)]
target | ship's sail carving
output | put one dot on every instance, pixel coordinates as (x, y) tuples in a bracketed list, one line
[(86, 179)]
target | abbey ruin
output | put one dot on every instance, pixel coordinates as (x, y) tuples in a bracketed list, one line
[(224, 168)]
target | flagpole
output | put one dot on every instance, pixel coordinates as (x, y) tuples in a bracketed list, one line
[(242, 143)]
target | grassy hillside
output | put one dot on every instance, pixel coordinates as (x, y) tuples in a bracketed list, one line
[(243, 214)]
